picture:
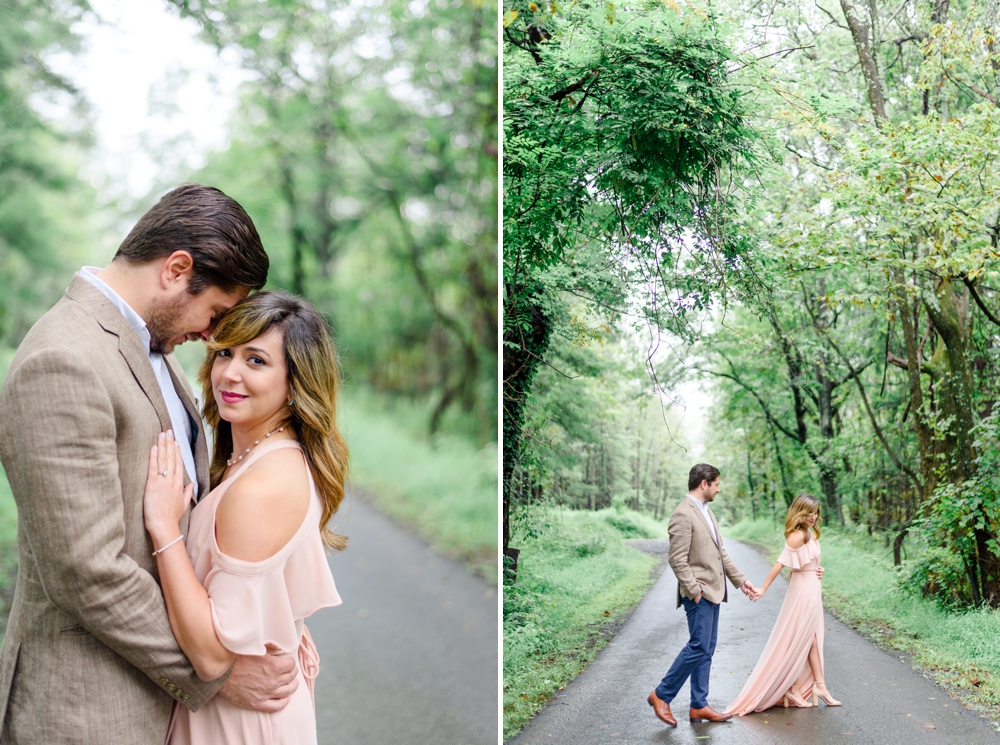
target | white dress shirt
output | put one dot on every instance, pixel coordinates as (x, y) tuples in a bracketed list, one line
[(703, 506), (180, 420)]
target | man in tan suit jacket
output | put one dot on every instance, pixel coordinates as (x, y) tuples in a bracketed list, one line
[(89, 656), (701, 565)]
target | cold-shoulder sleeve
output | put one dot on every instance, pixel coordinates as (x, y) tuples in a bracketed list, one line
[(796, 558), (256, 603)]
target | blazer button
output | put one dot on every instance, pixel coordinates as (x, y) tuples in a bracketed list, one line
[(171, 687), (163, 681), (186, 697)]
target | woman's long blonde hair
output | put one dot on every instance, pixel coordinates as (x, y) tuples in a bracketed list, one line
[(313, 382), (803, 506)]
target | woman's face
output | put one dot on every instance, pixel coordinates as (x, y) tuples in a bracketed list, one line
[(811, 519), (250, 381)]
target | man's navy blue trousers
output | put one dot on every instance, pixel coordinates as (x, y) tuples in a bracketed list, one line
[(695, 660)]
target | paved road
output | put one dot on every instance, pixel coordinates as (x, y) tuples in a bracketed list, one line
[(884, 700), (411, 655)]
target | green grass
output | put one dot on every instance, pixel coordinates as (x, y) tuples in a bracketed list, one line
[(960, 649), (575, 582), (445, 486)]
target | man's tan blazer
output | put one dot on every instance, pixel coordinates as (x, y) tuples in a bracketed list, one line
[(89, 656), (701, 564)]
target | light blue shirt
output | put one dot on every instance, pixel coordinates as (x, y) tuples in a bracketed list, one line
[(703, 506), (180, 420)]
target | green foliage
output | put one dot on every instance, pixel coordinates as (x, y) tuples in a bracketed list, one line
[(956, 520), (558, 615), (617, 133), (445, 485), (367, 150), (8, 540), (630, 524), (625, 145), (42, 203), (936, 573), (869, 377)]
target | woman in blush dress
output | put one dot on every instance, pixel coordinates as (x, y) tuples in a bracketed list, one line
[(790, 669), (255, 564)]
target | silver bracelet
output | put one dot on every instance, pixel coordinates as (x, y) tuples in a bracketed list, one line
[(161, 550)]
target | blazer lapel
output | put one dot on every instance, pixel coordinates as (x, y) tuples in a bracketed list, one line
[(199, 445), (700, 517), (129, 344)]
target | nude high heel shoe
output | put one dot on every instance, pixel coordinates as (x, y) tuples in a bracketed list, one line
[(823, 694), (796, 700)]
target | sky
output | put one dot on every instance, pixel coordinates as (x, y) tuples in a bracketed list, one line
[(160, 97)]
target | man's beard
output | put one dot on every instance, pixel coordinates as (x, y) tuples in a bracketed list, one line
[(162, 324)]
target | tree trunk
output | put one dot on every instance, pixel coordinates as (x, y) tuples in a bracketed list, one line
[(827, 472), (925, 442), (523, 350), (861, 32)]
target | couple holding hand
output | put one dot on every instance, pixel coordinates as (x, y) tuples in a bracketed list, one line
[(790, 669)]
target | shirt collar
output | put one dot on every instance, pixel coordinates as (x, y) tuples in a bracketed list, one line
[(89, 273), (698, 502)]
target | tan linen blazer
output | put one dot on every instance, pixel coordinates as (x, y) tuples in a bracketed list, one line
[(88, 656), (700, 564)]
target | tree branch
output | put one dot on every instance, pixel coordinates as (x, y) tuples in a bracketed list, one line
[(871, 414), (958, 81), (979, 300), (561, 94), (760, 401)]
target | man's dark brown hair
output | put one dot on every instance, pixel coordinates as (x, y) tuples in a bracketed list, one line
[(213, 228), (702, 472)]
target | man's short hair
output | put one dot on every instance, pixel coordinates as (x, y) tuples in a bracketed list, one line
[(702, 472), (213, 228)]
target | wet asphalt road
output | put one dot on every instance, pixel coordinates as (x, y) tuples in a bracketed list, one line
[(411, 656), (884, 701)]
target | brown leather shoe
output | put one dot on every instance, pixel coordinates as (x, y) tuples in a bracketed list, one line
[(708, 714), (661, 708)]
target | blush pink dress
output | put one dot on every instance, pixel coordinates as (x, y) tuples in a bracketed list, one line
[(784, 663), (256, 603)]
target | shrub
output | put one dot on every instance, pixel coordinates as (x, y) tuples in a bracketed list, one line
[(629, 524)]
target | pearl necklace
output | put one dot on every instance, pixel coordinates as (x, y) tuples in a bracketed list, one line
[(233, 459)]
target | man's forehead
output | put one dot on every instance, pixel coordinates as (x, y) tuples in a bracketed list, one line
[(225, 300)]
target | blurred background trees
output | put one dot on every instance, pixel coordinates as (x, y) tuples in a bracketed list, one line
[(368, 146), (364, 145), (43, 205)]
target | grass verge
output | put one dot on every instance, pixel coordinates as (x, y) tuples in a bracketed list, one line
[(576, 584), (960, 650), (445, 486)]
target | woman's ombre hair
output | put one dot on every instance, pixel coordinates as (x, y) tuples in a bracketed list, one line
[(313, 381), (803, 506)]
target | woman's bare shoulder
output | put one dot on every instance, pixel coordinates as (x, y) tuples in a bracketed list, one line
[(796, 539), (264, 507)]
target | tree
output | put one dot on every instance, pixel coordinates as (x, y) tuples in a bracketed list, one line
[(374, 128), (625, 144), (41, 200)]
